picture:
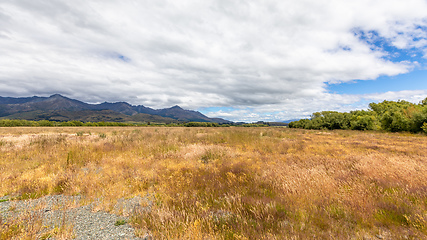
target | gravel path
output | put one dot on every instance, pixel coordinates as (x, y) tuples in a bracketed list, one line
[(58, 210)]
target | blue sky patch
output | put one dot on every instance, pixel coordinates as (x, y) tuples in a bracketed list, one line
[(410, 81), (124, 58)]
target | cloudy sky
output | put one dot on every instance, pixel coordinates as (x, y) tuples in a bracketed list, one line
[(241, 60)]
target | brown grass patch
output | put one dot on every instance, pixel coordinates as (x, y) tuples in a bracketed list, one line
[(231, 183)]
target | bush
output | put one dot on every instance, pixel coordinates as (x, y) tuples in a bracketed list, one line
[(424, 127), (388, 115), (201, 124)]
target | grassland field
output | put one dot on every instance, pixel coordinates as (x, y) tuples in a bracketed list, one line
[(227, 183)]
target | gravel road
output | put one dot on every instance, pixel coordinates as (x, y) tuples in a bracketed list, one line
[(60, 210)]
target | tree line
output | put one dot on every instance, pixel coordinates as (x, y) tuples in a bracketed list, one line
[(392, 116), (47, 123)]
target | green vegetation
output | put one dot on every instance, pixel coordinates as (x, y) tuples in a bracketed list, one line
[(120, 222), (388, 116), (46, 123), (201, 124)]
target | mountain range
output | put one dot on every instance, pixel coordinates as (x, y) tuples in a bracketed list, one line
[(60, 108)]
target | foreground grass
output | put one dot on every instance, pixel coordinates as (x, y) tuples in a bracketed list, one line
[(230, 183)]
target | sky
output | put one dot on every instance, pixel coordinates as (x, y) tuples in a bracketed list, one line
[(270, 60)]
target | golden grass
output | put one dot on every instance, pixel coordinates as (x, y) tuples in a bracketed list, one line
[(231, 183)]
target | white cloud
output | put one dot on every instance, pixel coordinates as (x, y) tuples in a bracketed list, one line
[(414, 96), (268, 56), (302, 108)]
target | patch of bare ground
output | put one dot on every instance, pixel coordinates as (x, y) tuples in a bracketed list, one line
[(65, 217)]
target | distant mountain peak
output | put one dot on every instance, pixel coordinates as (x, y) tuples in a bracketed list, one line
[(116, 103), (56, 95)]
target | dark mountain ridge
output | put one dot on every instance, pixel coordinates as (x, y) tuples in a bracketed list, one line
[(12, 100), (52, 107)]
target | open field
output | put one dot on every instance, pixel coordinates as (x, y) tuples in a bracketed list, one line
[(225, 183)]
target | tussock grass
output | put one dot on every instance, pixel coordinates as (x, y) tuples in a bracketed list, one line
[(231, 183)]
